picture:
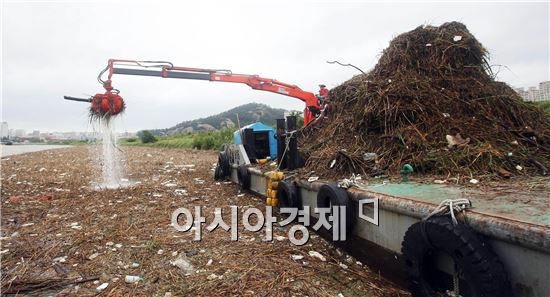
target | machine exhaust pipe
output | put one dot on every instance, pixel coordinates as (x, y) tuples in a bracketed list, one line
[(77, 99)]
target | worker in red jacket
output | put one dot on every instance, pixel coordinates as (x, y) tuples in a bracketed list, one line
[(323, 95)]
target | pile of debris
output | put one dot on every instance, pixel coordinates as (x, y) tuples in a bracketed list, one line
[(433, 102)]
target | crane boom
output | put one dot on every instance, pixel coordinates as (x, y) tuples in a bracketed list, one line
[(168, 70)]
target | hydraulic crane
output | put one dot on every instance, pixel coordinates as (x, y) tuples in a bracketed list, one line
[(111, 103)]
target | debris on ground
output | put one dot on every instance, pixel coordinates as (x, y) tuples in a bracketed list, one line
[(437, 107), (92, 237)]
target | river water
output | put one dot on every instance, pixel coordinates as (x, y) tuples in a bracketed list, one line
[(16, 149)]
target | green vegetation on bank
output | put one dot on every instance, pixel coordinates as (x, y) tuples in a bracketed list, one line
[(212, 140), (545, 106), (65, 142)]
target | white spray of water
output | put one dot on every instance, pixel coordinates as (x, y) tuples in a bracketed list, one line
[(111, 166)]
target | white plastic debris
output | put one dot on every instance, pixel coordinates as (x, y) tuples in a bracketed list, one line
[(209, 262), (180, 191), (456, 140), (93, 256), (346, 183), (280, 238), (182, 263), (296, 257), (312, 179), (474, 181), (370, 156), (457, 38), (102, 287), (428, 44), (62, 259), (515, 142), (135, 265), (27, 224), (332, 163), (439, 181), (132, 279), (518, 167), (509, 154), (317, 255), (213, 276), (170, 185), (118, 245), (160, 252), (446, 115), (174, 253)]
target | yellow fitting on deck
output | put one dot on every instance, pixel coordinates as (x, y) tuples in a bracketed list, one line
[(275, 175)]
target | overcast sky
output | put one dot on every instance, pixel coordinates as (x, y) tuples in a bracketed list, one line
[(56, 48)]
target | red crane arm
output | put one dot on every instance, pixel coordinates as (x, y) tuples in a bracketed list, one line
[(167, 70)]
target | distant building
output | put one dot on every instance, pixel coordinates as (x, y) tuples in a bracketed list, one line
[(534, 94), (35, 134), (4, 131), (522, 93), (544, 88), (19, 133)]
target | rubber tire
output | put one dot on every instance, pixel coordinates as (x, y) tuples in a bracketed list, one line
[(287, 194), (218, 173), (243, 175), (223, 162), (481, 267), (332, 194)]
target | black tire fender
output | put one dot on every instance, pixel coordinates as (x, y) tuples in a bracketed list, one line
[(243, 175), (288, 196), (218, 173), (332, 195), (223, 162), (484, 273)]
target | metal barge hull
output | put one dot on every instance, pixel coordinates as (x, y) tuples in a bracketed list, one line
[(518, 231)]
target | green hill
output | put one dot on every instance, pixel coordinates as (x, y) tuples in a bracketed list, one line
[(248, 113)]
